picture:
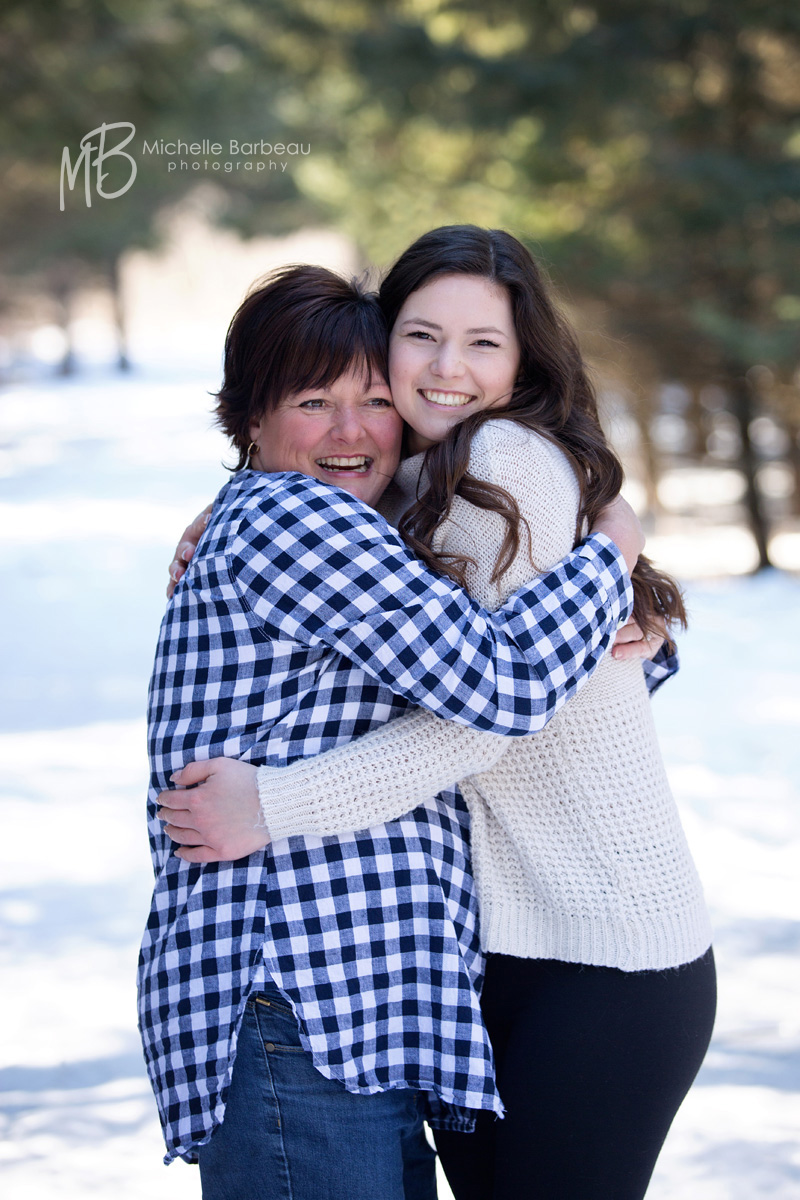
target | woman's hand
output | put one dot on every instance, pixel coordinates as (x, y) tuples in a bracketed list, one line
[(186, 548), (214, 813), (630, 642), (619, 522)]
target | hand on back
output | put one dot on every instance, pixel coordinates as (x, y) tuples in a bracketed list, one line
[(186, 548), (214, 813), (619, 522)]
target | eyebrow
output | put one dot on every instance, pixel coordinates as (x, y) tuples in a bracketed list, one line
[(431, 325)]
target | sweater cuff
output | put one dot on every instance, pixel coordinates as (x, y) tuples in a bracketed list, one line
[(286, 808)]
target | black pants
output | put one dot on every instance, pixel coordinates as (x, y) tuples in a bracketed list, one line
[(592, 1065)]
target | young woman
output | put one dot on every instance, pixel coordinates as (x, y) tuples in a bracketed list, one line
[(600, 991), (297, 1003)]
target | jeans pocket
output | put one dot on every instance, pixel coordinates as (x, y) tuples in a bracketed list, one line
[(277, 1024)]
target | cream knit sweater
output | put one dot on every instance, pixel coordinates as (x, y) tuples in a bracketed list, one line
[(577, 847)]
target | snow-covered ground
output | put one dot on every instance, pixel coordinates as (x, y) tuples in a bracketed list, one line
[(100, 477)]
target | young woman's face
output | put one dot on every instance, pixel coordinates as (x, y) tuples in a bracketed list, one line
[(453, 351), (347, 434)]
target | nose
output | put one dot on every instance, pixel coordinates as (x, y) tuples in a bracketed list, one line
[(447, 363), (347, 425)]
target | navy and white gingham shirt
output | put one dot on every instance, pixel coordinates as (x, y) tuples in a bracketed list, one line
[(304, 621)]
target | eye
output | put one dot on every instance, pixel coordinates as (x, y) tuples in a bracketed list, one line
[(380, 402), (315, 403), (486, 342), (422, 334)]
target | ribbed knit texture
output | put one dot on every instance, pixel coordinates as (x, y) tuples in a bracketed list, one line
[(384, 775), (577, 847)]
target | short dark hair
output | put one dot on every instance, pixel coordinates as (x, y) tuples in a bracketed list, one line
[(300, 327)]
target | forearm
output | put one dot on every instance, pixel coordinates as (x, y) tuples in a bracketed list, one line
[(375, 778), (509, 671), (340, 578)]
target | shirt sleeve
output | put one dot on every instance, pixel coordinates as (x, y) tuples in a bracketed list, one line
[(315, 566), (661, 667), (538, 475)]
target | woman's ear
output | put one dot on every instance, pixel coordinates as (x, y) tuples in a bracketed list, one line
[(255, 432)]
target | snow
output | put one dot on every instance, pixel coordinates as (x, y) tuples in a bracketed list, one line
[(99, 477)]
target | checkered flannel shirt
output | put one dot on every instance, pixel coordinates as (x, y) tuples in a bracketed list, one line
[(304, 621), (661, 667)]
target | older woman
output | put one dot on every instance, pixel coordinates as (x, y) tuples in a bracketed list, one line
[(339, 973)]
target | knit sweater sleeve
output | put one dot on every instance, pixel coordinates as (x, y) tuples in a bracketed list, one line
[(375, 778)]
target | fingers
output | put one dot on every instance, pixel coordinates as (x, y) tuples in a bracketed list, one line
[(186, 548), (654, 643), (628, 651), (197, 528), (176, 573), (644, 647), (215, 805), (177, 568), (180, 818), (199, 854), (225, 851), (629, 632), (167, 799), (185, 551), (193, 773), (191, 536), (630, 642), (184, 837)]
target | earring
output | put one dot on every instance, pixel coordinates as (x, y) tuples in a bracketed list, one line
[(252, 449)]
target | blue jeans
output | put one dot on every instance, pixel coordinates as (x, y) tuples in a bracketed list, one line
[(291, 1134)]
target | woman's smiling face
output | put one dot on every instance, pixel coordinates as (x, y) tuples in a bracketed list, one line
[(347, 434), (453, 351)]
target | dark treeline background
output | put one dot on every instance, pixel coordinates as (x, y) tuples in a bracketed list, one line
[(647, 150)]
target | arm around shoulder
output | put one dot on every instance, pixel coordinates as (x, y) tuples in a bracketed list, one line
[(321, 569)]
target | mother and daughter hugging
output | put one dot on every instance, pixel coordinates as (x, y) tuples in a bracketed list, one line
[(416, 855)]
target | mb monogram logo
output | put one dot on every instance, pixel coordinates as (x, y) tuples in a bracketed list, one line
[(97, 142)]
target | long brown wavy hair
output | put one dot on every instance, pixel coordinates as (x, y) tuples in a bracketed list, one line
[(552, 396)]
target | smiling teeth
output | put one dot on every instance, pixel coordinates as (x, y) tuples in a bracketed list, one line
[(448, 399), (359, 462)]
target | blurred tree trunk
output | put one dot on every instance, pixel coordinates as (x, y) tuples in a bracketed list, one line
[(63, 292), (117, 300), (695, 417), (643, 411), (741, 400), (794, 461), (635, 375)]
